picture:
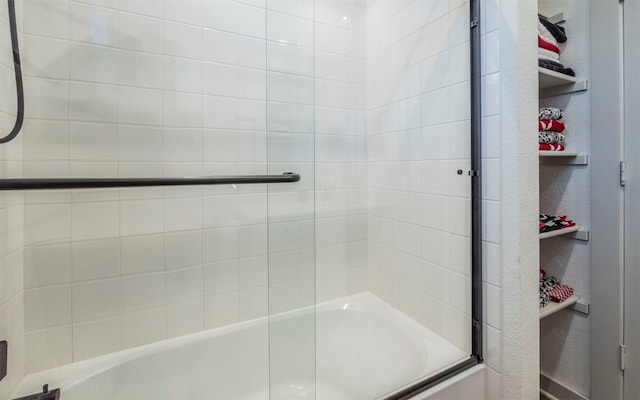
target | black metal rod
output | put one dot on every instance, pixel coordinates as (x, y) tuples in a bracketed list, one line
[(102, 183), (17, 66), (415, 389), (476, 183)]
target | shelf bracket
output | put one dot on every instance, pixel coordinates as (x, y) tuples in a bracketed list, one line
[(579, 235), (557, 18), (582, 307)]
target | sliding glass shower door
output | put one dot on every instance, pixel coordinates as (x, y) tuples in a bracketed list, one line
[(308, 232)]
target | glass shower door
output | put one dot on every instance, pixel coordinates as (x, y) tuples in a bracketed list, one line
[(353, 283), (163, 89), (291, 233)]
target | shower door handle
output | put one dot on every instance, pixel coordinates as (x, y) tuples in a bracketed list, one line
[(102, 183)]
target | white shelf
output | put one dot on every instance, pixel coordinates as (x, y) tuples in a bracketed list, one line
[(552, 83), (548, 78), (552, 308), (559, 232), (563, 158), (558, 154)]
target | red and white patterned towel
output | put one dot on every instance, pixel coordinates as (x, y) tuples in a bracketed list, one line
[(551, 125), (550, 147), (548, 45), (560, 293)]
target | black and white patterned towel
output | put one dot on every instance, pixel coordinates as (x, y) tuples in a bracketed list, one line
[(551, 137), (550, 113), (547, 284)]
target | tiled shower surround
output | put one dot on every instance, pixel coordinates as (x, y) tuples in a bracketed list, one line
[(367, 100), (11, 224)]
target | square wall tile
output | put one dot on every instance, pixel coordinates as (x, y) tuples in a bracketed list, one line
[(93, 63), (138, 217), (96, 338), (97, 300), (144, 327), (185, 316), (47, 307), (142, 254), (91, 24), (47, 265), (45, 57), (93, 102), (46, 18), (183, 249), (48, 348), (140, 33), (95, 220), (182, 40), (96, 259)]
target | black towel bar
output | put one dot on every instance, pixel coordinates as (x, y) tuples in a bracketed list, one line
[(101, 183)]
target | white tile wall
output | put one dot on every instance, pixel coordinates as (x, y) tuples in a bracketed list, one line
[(492, 195), (119, 88), (367, 111), (418, 112)]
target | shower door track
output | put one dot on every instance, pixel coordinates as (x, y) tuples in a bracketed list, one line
[(103, 183)]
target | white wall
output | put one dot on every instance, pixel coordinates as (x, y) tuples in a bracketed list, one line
[(11, 224), (517, 93)]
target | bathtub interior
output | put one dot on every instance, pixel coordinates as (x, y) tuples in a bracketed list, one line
[(363, 349)]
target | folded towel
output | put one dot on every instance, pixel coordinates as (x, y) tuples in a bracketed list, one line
[(551, 137), (546, 35), (549, 223), (550, 113), (552, 290), (553, 65), (545, 297), (550, 147), (555, 30), (544, 54), (543, 44), (549, 282), (546, 285), (560, 293), (551, 125)]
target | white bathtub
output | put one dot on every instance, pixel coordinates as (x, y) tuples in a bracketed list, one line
[(363, 349)]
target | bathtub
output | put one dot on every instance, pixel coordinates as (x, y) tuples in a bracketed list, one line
[(362, 349)]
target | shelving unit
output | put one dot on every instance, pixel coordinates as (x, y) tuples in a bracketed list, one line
[(564, 181), (552, 84)]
